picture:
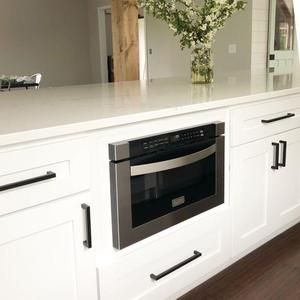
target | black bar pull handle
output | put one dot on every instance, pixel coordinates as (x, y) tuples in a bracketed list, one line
[(284, 153), (287, 116), (276, 156), (10, 186), (178, 266), (88, 242)]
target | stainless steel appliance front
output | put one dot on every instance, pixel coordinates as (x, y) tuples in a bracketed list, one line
[(159, 181)]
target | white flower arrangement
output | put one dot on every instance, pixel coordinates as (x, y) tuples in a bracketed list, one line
[(195, 24)]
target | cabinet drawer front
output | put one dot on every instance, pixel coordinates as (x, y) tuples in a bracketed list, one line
[(132, 272), (39, 174), (265, 119)]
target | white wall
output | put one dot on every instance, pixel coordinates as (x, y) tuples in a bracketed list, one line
[(297, 18), (143, 63), (167, 59), (46, 36), (260, 27)]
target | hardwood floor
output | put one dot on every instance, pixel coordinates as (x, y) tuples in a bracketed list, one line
[(272, 272)]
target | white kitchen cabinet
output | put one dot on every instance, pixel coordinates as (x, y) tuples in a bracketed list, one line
[(285, 183), (208, 235), (69, 161), (250, 199), (42, 255), (257, 121), (264, 199)]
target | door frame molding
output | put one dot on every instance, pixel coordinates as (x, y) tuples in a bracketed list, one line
[(102, 42)]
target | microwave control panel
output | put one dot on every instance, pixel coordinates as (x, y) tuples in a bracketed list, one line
[(167, 141), (172, 140)]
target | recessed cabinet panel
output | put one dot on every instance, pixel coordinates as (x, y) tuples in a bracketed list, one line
[(42, 256), (251, 167), (265, 188), (24, 174), (130, 273), (40, 265), (286, 181), (261, 120)]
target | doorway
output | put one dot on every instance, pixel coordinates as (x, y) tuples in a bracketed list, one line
[(281, 37), (105, 44)]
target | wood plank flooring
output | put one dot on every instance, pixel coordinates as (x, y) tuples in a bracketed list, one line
[(272, 272)]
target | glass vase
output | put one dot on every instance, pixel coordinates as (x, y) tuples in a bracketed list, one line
[(202, 66)]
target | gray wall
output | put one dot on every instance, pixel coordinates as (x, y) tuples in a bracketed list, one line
[(168, 60), (238, 30), (46, 36), (109, 41), (60, 39)]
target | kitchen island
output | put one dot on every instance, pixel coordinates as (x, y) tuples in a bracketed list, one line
[(48, 112), (55, 202)]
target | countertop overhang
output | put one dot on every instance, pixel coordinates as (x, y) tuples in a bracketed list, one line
[(51, 112)]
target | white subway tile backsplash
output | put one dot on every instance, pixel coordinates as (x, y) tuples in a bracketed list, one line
[(260, 37), (260, 4), (261, 15), (259, 48), (260, 27), (259, 58)]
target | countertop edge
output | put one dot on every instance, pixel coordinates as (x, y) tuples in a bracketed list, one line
[(87, 126)]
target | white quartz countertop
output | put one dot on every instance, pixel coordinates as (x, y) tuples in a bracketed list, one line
[(49, 112)]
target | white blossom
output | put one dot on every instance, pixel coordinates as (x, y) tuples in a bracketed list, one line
[(195, 24)]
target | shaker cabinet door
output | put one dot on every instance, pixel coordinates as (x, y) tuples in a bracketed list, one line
[(265, 188), (285, 182), (42, 256), (250, 173)]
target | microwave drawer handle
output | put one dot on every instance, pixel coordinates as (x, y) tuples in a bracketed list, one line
[(178, 266), (172, 163), (10, 186), (287, 116)]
